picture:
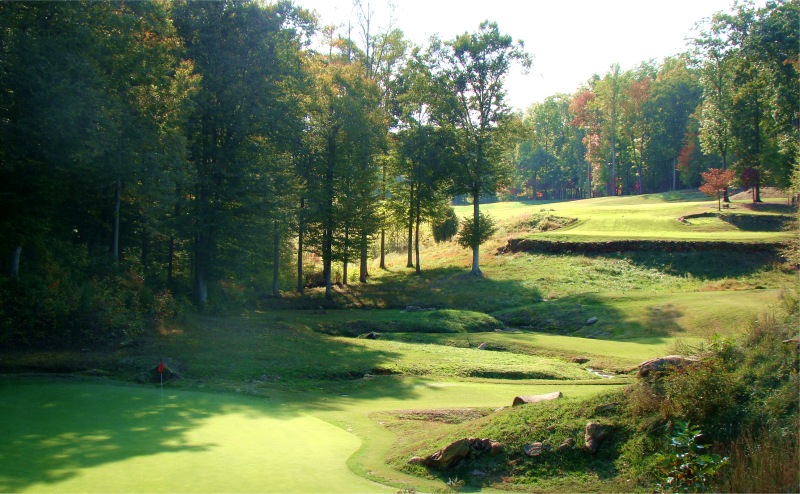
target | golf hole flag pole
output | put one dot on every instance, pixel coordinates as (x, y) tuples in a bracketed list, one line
[(160, 370)]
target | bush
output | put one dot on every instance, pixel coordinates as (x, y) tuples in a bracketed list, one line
[(470, 238), (445, 227)]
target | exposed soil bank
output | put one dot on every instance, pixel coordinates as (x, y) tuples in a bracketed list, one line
[(611, 246)]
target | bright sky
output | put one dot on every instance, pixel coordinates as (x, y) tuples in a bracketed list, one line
[(570, 40)]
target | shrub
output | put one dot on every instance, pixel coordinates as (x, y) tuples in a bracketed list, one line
[(470, 238), (445, 227), (688, 466)]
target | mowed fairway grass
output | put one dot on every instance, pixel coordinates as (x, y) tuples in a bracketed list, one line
[(279, 399)]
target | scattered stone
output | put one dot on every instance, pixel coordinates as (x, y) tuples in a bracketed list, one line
[(523, 400), (580, 360), (591, 321), (662, 363), (482, 346), (594, 435), (568, 443), (459, 450), (533, 449)]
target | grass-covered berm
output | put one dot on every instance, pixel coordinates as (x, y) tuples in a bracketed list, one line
[(408, 364)]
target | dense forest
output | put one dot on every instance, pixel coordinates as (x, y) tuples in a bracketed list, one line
[(161, 156)]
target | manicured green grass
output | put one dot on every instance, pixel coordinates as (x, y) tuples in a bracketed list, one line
[(68, 437), (653, 216)]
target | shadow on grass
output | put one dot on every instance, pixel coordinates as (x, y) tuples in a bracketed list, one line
[(54, 430), (707, 265), (443, 288), (591, 316)]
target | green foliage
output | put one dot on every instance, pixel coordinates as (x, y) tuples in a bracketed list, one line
[(445, 227), (468, 237), (688, 466)]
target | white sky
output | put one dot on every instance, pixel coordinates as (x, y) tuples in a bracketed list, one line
[(570, 40)]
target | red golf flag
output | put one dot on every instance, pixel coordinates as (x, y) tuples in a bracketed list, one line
[(160, 367)]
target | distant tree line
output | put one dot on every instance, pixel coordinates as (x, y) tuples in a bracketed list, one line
[(731, 102), (161, 153)]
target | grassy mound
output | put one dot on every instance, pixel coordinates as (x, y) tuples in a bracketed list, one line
[(742, 395)]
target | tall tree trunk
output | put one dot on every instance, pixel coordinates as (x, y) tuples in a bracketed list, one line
[(15, 256), (276, 259), (410, 263), (416, 238), (170, 260), (383, 246), (346, 260), (115, 246), (476, 270), (300, 234), (363, 273)]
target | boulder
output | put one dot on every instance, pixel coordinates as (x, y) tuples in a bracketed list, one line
[(568, 443), (457, 451), (482, 346), (580, 360), (534, 449), (523, 400), (594, 435), (449, 455), (662, 363), (591, 321)]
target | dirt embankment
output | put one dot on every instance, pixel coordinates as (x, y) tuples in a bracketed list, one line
[(611, 246)]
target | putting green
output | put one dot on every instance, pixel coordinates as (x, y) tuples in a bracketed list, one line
[(79, 437)]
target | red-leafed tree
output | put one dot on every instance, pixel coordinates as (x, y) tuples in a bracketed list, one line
[(715, 182)]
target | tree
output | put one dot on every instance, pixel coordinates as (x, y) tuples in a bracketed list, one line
[(474, 67), (715, 182)]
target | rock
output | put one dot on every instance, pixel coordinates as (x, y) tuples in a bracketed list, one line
[(457, 451), (413, 308), (591, 321), (522, 400), (450, 454), (568, 443), (482, 346), (662, 363), (372, 335), (580, 360), (477, 473), (594, 435), (533, 449), (795, 341)]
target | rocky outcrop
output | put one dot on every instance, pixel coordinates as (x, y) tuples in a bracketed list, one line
[(457, 451), (523, 400), (595, 434), (661, 364)]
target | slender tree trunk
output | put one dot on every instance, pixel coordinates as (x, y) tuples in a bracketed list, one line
[(410, 263), (300, 234), (416, 238), (115, 246), (170, 260), (15, 256), (363, 272), (383, 246), (276, 259), (346, 253), (476, 245)]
